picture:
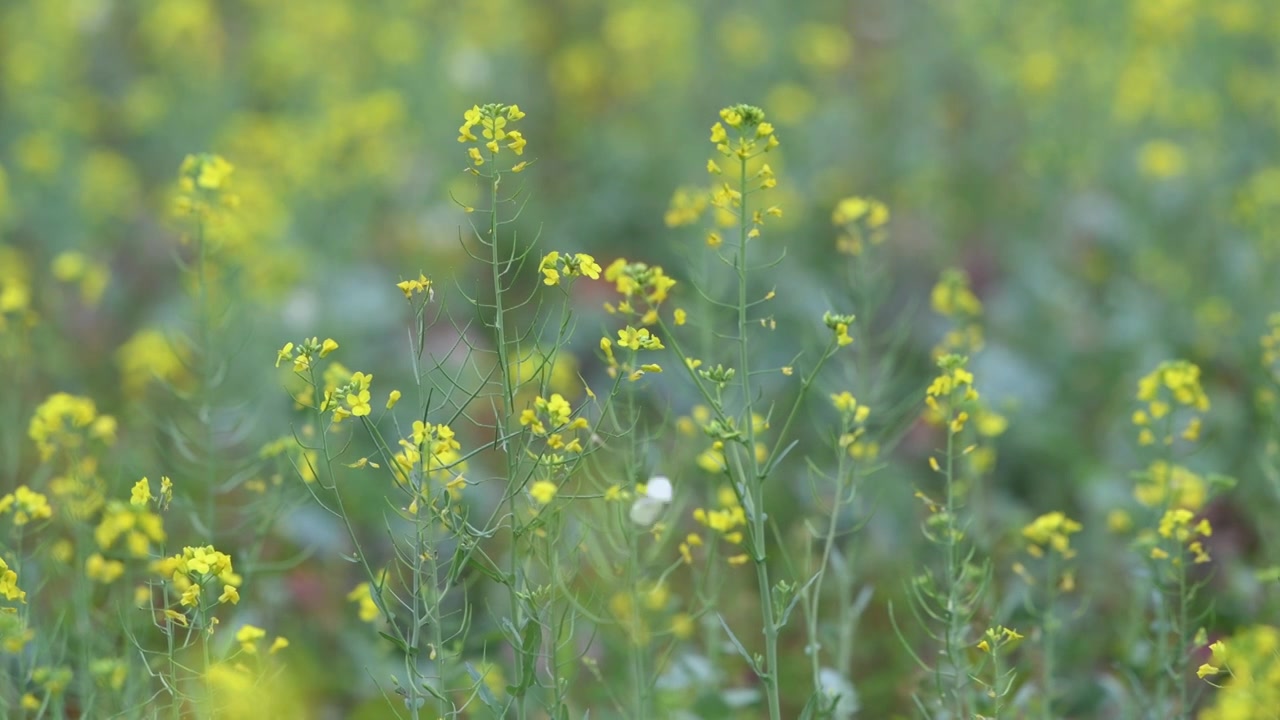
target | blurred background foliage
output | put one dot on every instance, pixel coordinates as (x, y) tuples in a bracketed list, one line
[(1107, 172)]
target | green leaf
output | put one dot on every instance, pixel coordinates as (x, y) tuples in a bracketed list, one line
[(486, 695), (755, 667), (400, 644)]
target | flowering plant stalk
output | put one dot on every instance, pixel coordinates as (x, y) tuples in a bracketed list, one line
[(742, 139)]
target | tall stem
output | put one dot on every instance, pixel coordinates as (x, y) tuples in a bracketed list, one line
[(514, 581), (955, 628), (753, 483)]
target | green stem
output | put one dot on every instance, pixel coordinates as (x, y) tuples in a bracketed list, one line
[(1050, 636), (1180, 667), (749, 473), (637, 652), (515, 580), (207, 378), (955, 629), (997, 678), (815, 593)]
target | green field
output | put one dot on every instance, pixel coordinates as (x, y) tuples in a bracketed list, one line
[(868, 359)]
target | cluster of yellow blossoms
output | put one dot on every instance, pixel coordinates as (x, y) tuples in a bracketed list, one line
[(556, 265), (204, 183), (727, 521), (493, 120), (635, 340), (26, 505), (951, 394), (861, 220), (1173, 384), (753, 135), (1250, 661), (76, 267), (1050, 536), (654, 602), (853, 419), (65, 421), (637, 283), (434, 448), (1051, 531), (412, 287), (9, 583), (191, 571), (1180, 525), (305, 352), (552, 419), (953, 298)]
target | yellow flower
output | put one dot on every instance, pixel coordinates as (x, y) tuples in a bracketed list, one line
[(248, 637), (100, 569), (543, 491), (549, 268), (26, 504), (1051, 530), (229, 594), (141, 494), (363, 595), (358, 397), (284, 354)]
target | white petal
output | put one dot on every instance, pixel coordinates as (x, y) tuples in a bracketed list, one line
[(645, 511), (659, 488)]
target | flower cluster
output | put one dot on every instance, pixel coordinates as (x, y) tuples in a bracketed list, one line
[(249, 635), (952, 298), (1051, 531), (638, 283), (138, 526), (412, 287), (494, 121), (637, 613), (556, 265), (151, 356), (1180, 526), (434, 448), (191, 571), (1165, 484), (861, 221), (1050, 536), (552, 418), (1173, 384), (204, 187), (15, 290), (305, 352), (67, 421), (635, 340), (75, 267), (367, 607), (140, 495), (951, 395), (997, 638), (839, 325), (26, 505), (687, 206), (853, 419), (752, 134), (9, 583), (726, 521), (1251, 665)]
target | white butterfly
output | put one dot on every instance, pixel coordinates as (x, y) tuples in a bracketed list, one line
[(657, 495)]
